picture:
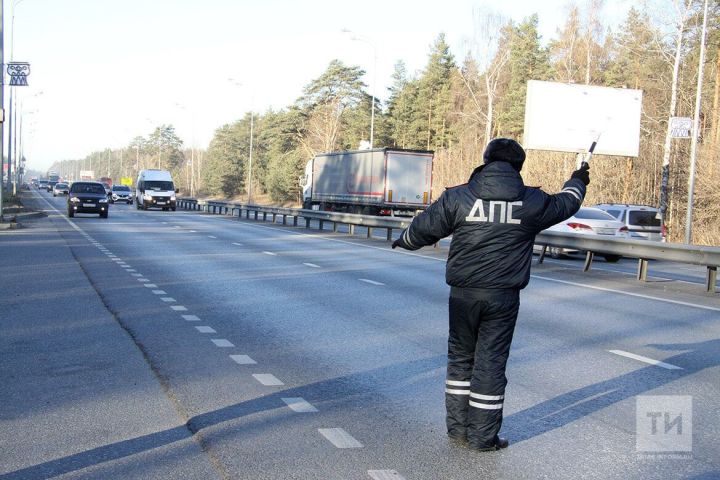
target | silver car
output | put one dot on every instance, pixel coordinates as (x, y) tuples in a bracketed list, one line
[(590, 221), (60, 188), (121, 193)]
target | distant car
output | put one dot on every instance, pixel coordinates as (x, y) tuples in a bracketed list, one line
[(87, 197), (121, 193), (50, 185), (642, 221), (60, 188), (590, 221), (42, 184)]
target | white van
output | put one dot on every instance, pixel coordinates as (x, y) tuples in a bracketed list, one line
[(155, 188)]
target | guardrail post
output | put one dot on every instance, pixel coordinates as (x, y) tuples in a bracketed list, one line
[(335, 227), (264, 216), (711, 279), (307, 222), (295, 219), (389, 234), (369, 232), (642, 269), (322, 224), (351, 230), (256, 214), (541, 259), (284, 219), (588, 261)]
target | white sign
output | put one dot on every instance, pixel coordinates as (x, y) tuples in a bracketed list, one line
[(680, 127), (566, 117)]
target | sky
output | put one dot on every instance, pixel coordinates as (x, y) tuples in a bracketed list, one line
[(106, 71)]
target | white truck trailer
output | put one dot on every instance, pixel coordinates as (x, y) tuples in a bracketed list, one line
[(381, 181)]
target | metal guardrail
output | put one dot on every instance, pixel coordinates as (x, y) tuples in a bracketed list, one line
[(644, 251)]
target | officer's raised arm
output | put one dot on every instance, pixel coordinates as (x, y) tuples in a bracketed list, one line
[(564, 204)]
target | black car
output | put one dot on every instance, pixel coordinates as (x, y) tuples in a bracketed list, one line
[(87, 197)]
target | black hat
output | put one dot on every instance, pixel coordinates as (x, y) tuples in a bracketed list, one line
[(505, 150)]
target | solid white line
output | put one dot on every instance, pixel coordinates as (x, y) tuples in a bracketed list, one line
[(151, 285), (238, 244), (371, 282), (205, 329), (385, 475), (270, 253), (267, 379), (339, 437), (311, 265), (178, 308), (243, 359), (221, 342), (191, 318), (640, 358), (159, 292), (639, 295), (168, 299), (299, 405)]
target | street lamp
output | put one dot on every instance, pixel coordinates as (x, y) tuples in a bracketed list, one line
[(249, 188), (362, 38)]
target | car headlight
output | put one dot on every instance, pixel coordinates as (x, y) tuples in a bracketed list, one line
[(172, 199), (103, 200), (147, 197), (74, 199)]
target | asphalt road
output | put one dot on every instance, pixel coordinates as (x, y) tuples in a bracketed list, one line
[(205, 346)]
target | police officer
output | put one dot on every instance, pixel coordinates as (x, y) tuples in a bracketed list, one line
[(493, 219)]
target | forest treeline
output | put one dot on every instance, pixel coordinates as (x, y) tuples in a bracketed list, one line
[(454, 106)]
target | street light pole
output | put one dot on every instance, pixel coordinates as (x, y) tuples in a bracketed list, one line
[(362, 38), (2, 102)]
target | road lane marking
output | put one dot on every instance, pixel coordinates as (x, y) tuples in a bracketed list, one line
[(339, 437), (205, 329), (159, 292), (191, 318), (151, 285), (271, 254), (168, 299), (130, 269), (238, 244), (243, 359), (299, 405), (178, 308), (136, 274), (143, 280), (385, 475), (193, 231), (640, 358), (639, 295), (267, 379), (221, 342), (212, 236), (311, 265), (371, 282)]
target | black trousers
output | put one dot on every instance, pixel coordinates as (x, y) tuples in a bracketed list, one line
[(482, 322)]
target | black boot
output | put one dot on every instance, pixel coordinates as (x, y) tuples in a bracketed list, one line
[(499, 443)]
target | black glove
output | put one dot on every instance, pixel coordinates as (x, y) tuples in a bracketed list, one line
[(582, 174), (400, 242)]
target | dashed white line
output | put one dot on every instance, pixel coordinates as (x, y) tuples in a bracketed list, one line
[(130, 270), (311, 265), (371, 282), (168, 299), (650, 361), (193, 231), (143, 280), (205, 329), (136, 274), (159, 292), (238, 244), (178, 308), (151, 285), (270, 253), (268, 379), (243, 359), (221, 342), (385, 475), (212, 236), (339, 437), (191, 318), (299, 405)]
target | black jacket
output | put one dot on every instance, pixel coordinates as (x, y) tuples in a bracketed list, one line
[(493, 220)]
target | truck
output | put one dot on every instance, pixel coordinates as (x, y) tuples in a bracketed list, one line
[(155, 188), (381, 181)]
